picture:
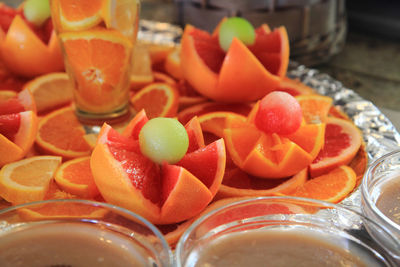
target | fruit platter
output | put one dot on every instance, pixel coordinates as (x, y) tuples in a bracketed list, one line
[(231, 120)]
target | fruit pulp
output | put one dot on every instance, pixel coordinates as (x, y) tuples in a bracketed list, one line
[(98, 56), (281, 247), (69, 244)]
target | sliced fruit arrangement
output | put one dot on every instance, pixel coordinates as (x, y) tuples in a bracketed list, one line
[(169, 191), (28, 43), (18, 126), (247, 71), (274, 143)]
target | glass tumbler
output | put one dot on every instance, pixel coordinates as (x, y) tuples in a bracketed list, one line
[(79, 233), (97, 38)]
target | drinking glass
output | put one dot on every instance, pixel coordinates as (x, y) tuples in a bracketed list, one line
[(97, 40), (69, 232), (283, 231)]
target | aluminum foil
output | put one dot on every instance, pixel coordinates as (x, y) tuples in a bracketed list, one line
[(379, 134)]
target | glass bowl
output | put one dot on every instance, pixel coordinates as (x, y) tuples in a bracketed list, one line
[(283, 231), (79, 233), (380, 184)]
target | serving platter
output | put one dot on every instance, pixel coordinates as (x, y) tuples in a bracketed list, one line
[(380, 135)]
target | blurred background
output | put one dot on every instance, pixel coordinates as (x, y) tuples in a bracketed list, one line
[(355, 41)]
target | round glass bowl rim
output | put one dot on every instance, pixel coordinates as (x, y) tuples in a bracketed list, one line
[(365, 192), (301, 200), (111, 207)]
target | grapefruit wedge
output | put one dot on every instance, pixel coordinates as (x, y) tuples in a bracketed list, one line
[(18, 126), (165, 193), (242, 74)]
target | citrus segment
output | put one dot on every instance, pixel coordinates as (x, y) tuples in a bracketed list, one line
[(60, 133), (315, 107), (241, 69), (76, 15), (157, 99), (240, 142), (333, 186), (275, 157), (50, 91), (75, 177), (194, 69), (26, 134), (7, 94), (272, 49), (178, 201), (99, 61), (216, 122), (207, 164), (9, 151), (195, 134), (309, 137), (27, 180), (342, 142), (29, 56)]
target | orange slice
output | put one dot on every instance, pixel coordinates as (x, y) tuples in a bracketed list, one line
[(141, 74), (99, 60), (27, 180), (157, 99), (121, 15), (50, 91), (158, 52), (333, 186), (76, 15), (60, 133), (315, 107), (216, 122), (75, 177)]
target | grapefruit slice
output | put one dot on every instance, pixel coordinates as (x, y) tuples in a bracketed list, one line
[(294, 87), (342, 142), (164, 193)]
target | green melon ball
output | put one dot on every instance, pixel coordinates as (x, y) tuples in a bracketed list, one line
[(236, 27), (37, 11), (163, 139)]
